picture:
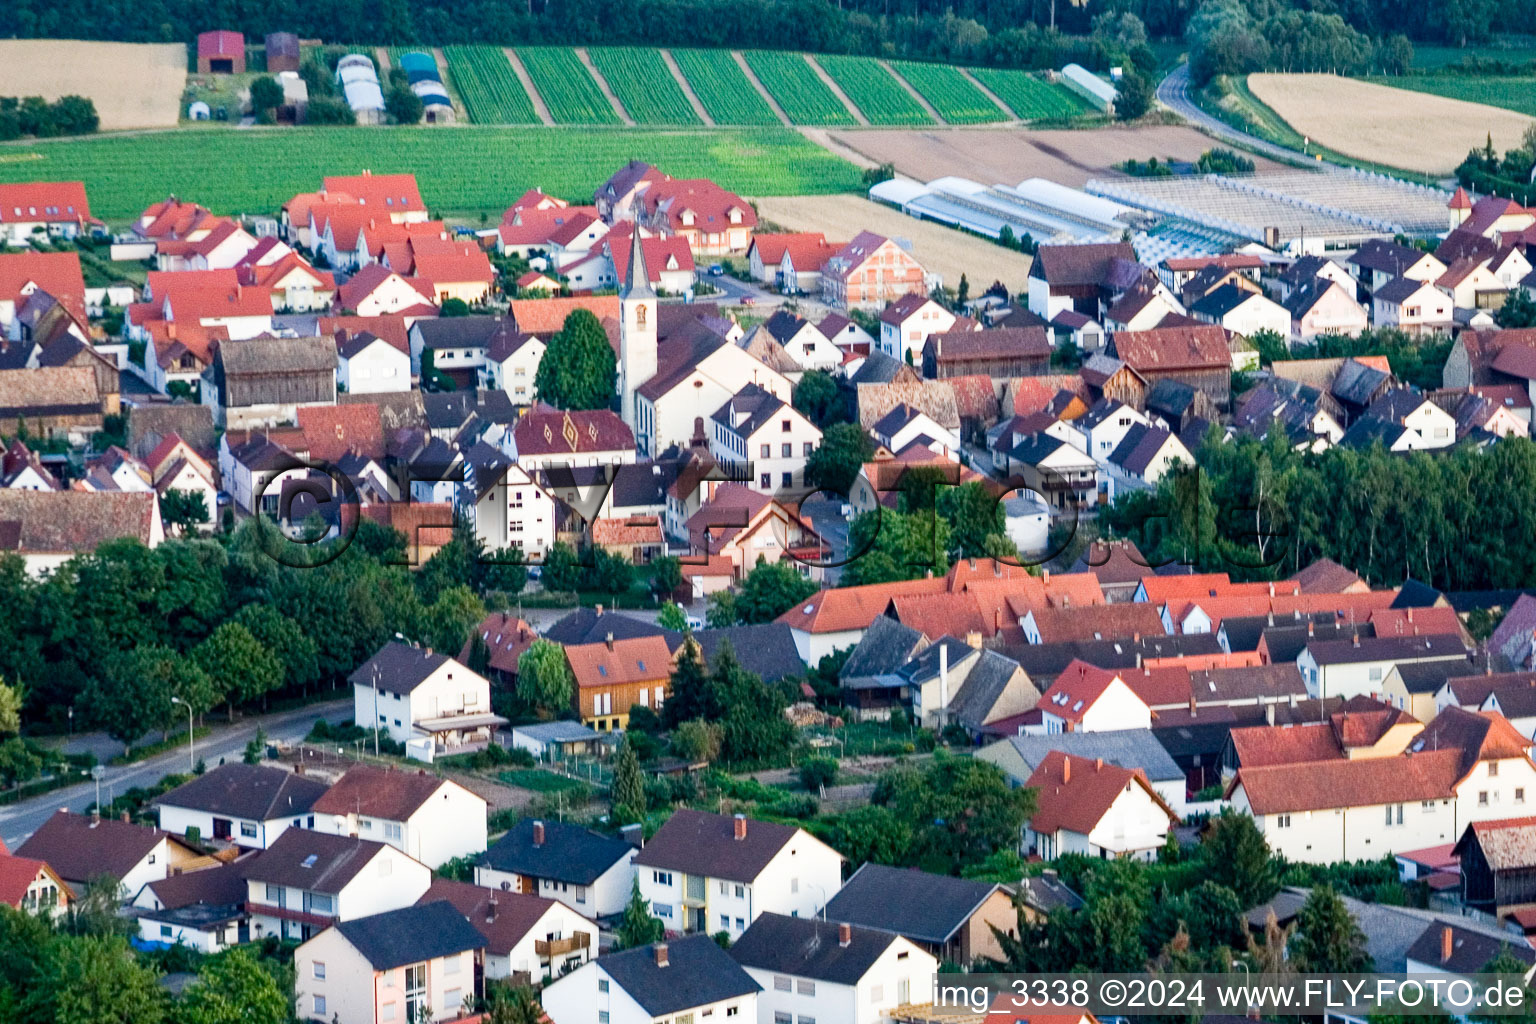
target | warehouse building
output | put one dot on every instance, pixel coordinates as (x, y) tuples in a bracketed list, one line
[(1041, 209)]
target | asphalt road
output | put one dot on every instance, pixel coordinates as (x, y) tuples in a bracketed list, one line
[(19, 821), (1174, 92)]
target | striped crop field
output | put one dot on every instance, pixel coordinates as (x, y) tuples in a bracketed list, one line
[(952, 95), (489, 87), (567, 88), (722, 87), (1029, 97), (874, 90), (644, 84), (803, 95)]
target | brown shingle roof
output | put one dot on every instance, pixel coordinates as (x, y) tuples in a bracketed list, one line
[(49, 391), (705, 844), (80, 848), (71, 521), (1321, 785), (504, 918), (379, 793), (316, 861), (1174, 348), (1099, 622)]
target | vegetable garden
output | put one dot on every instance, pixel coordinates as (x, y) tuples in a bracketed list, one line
[(644, 84), (950, 92), (874, 90), (723, 88), (488, 86), (791, 81), (568, 90)]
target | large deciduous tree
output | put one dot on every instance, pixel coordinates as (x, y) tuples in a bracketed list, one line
[(578, 369)]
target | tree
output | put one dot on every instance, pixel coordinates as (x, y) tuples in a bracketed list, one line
[(960, 810), (720, 610), (888, 546), (1519, 309), (513, 1006), (95, 980), (328, 110), (690, 695), (1133, 96), (611, 572), (544, 679), (452, 307), (1327, 939), (978, 526), (403, 105), (816, 773), (235, 988), (835, 463), (246, 668), (1235, 855), (134, 693), (770, 590), (10, 709), (628, 790), (294, 647), (869, 833), (183, 509), (637, 927), (817, 397), (266, 95), (562, 569), (697, 741), (671, 616), (578, 369), (754, 728), (666, 575)]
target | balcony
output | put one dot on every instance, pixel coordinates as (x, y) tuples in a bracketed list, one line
[(547, 949), (289, 914)]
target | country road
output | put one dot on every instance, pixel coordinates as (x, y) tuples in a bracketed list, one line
[(20, 820), (1174, 91)]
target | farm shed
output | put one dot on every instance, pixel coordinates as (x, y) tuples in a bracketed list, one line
[(427, 83), (1089, 86), (282, 52), (360, 85), (220, 53)]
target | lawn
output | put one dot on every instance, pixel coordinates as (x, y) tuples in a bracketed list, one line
[(568, 90), (803, 95), (489, 87), (1028, 96), (539, 781), (644, 84), (722, 87), (463, 172), (950, 92), (874, 90), (1510, 92)]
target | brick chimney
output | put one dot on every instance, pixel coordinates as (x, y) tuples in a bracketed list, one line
[(599, 610), (1066, 769), (739, 827), (1447, 944), (660, 950), (1357, 639), (538, 833), (123, 817), (609, 641), (1098, 764), (844, 935), (1311, 628), (490, 909)]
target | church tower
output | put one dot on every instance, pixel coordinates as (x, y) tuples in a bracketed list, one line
[(637, 339)]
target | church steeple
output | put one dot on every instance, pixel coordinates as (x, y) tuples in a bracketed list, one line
[(637, 343), (637, 277)]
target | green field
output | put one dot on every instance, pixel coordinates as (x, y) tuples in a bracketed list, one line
[(722, 87), (1028, 96), (567, 88), (489, 87), (463, 172), (950, 92), (539, 781), (874, 90), (1509, 92), (644, 84), (790, 80), (1440, 56)]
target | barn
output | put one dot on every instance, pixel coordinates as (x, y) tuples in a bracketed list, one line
[(220, 53), (282, 52)]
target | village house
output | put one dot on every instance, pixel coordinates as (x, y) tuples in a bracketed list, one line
[(428, 818), (1321, 306), (1378, 262), (527, 938), (615, 675), (1051, 467), (590, 873), (1095, 809), (265, 381), (202, 910), (872, 270), (1020, 754), (691, 977), (81, 848), (744, 527), (547, 438), (907, 322), (1242, 311), (416, 963), (811, 969), (31, 886), (412, 694), (764, 441), (56, 208), (1087, 699), (1197, 356), (1142, 458), (1143, 306), (1345, 668), (668, 259), (25, 273), (1497, 867), (715, 222), (306, 881), (508, 509), (1084, 278), (709, 873), (247, 805), (949, 918), (1412, 305), (368, 365), (790, 262), (48, 528), (801, 340), (905, 425), (1472, 284), (1306, 269), (999, 352)]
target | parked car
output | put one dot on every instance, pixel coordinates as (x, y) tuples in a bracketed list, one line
[(694, 622), (749, 300), (716, 270)]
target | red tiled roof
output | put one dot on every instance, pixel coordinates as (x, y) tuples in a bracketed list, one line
[(506, 637), (532, 226), (545, 317), (441, 261), (57, 273), (1322, 785), (638, 529), (1074, 691), (1263, 746), (368, 280), (18, 873), (1099, 622), (54, 202), (1159, 686), (1174, 348), (388, 793), (1460, 200), (670, 253), (221, 44), (1415, 621), (808, 250), (710, 204), (331, 431), (392, 193), (642, 659), (1074, 793), (392, 328), (547, 431)]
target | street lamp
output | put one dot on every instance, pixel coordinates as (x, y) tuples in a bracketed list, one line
[(191, 738)]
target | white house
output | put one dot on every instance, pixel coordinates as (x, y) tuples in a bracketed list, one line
[(696, 377), (1096, 809), (1472, 284), (367, 364), (1324, 306), (712, 873), (1464, 767), (1242, 312), (590, 873), (511, 364), (1431, 426), (1105, 426), (81, 848), (1411, 304), (1143, 457), (905, 424), (244, 804), (415, 964), (811, 969), (803, 341), (690, 978), (411, 693), (254, 471), (202, 910), (906, 323), (527, 938), (429, 818), (307, 881), (1348, 668), (765, 438), (1088, 699), (507, 507)]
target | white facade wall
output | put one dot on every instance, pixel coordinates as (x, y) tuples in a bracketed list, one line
[(254, 835), (558, 922), (352, 992), (903, 974), (390, 881), (606, 896), (451, 824), (452, 689), (578, 998), (377, 369)]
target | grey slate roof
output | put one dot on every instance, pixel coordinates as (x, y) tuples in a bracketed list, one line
[(1139, 447), (1124, 748), (1368, 430), (1416, 594), (698, 973), (1169, 397), (982, 688), (766, 650), (700, 843), (753, 402), (925, 908), (1222, 301), (807, 947), (399, 668), (884, 648), (411, 935), (569, 854), (249, 791), (1387, 648), (1470, 950), (1036, 448), (1356, 382), (586, 626), (1047, 892)]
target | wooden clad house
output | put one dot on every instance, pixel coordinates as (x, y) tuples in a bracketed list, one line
[(615, 675), (1000, 352), (263, 381)]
